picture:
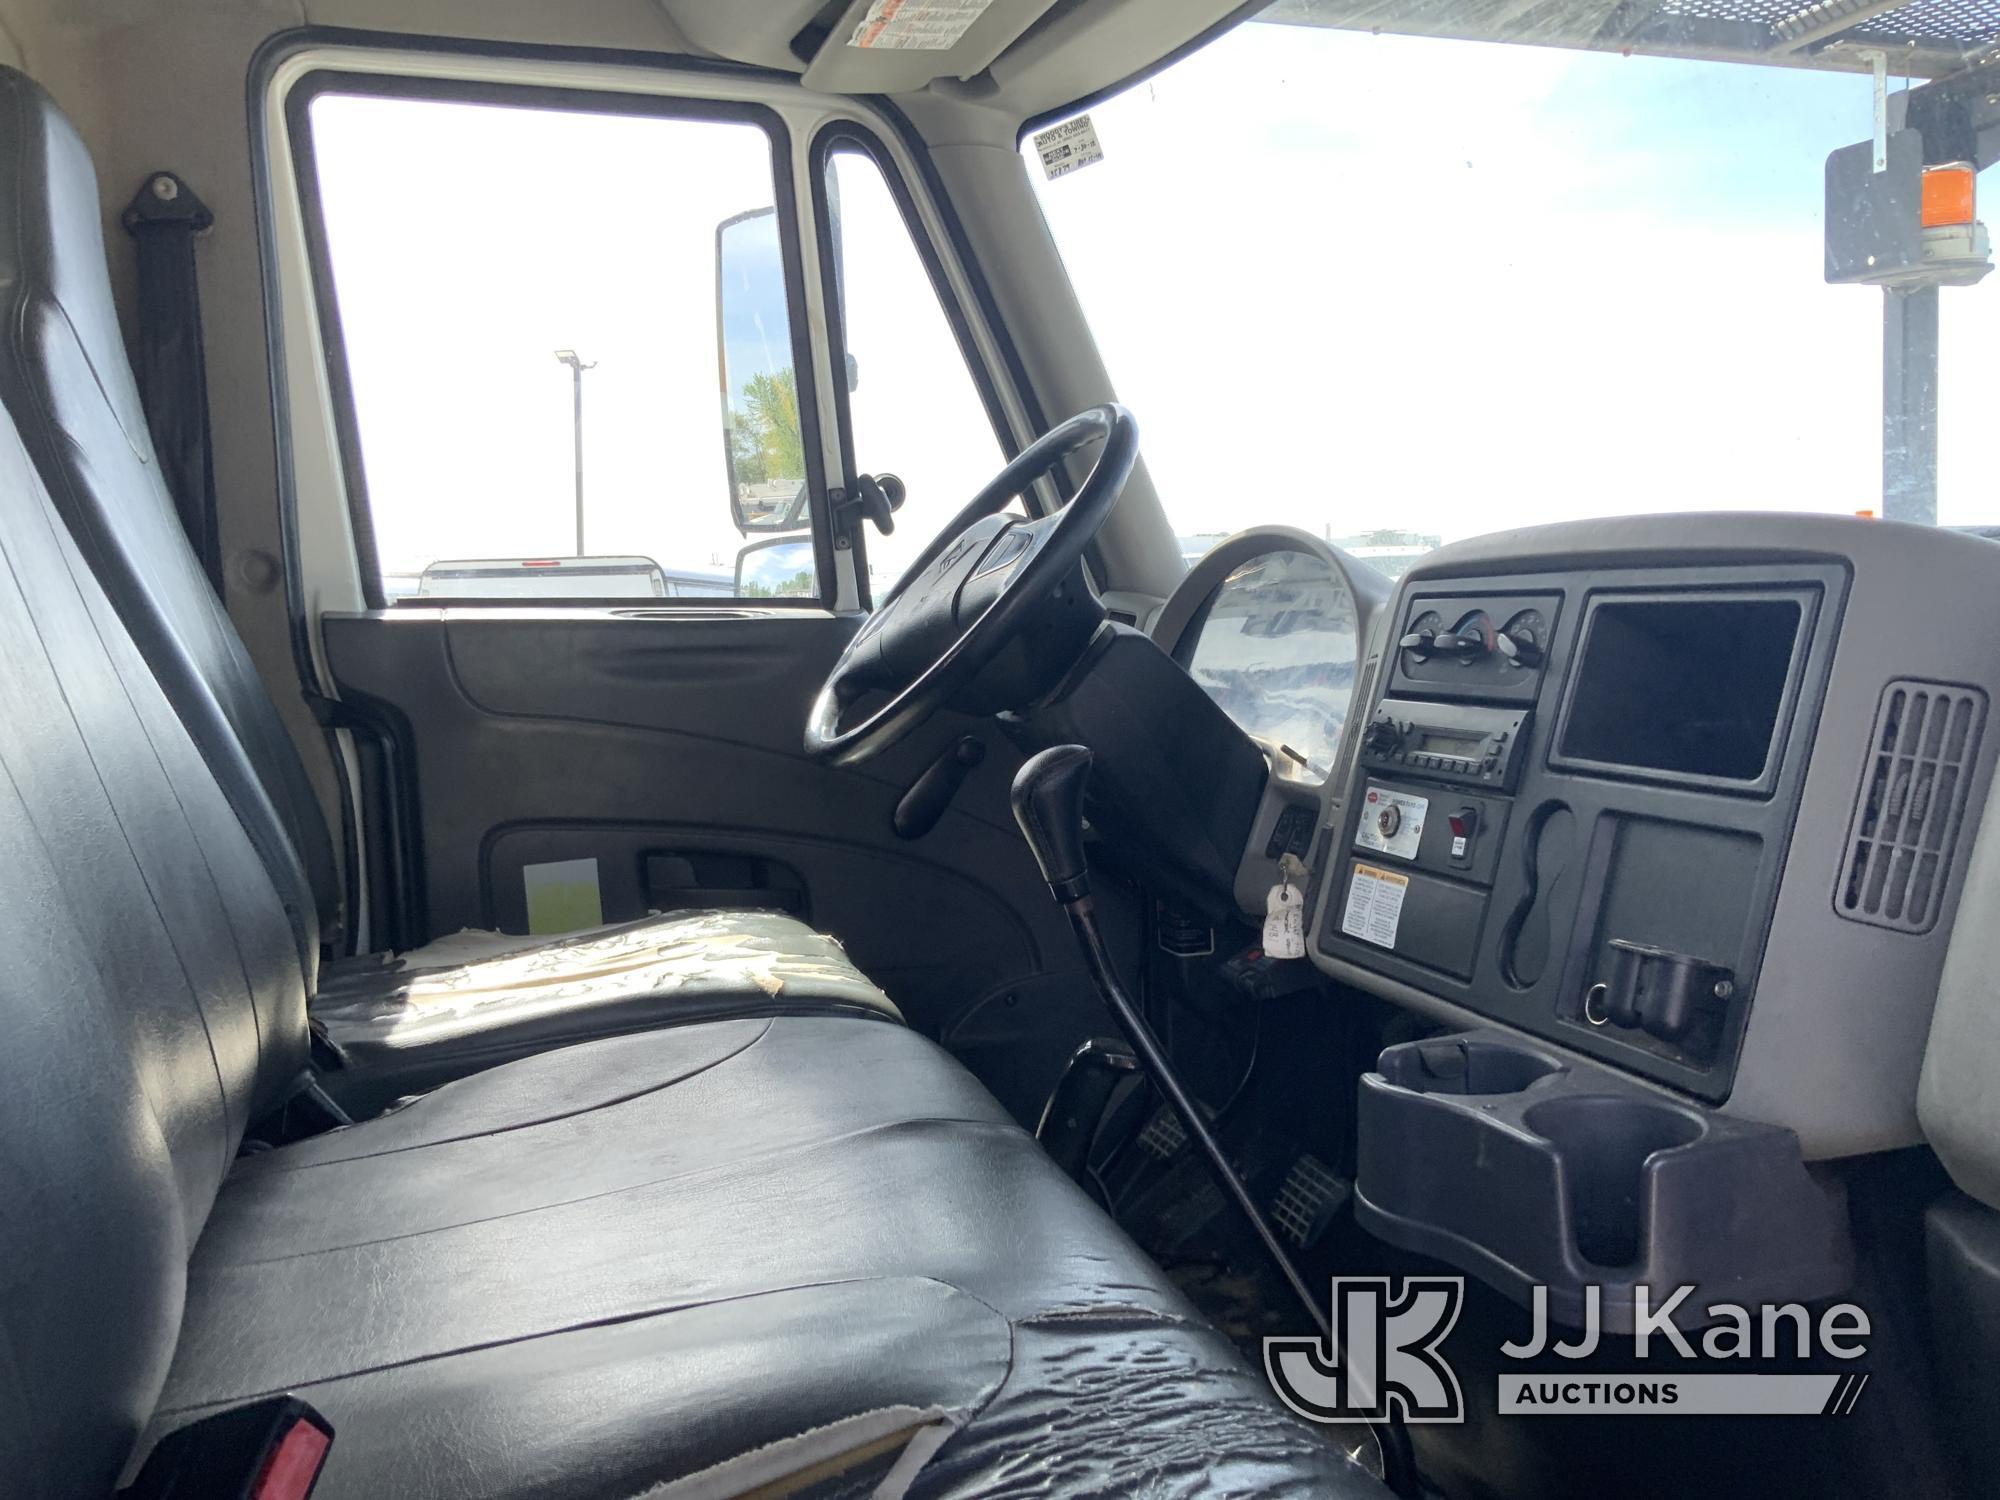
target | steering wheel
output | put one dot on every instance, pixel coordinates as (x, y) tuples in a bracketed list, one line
[(969, 591)]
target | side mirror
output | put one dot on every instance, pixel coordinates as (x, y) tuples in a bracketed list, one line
[(763, 442), (779, 567)]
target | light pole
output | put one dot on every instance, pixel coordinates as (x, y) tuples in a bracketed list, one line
[(576, 368)]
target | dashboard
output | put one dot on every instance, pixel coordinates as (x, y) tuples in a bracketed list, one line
[(1578, 828), (1683, 799)]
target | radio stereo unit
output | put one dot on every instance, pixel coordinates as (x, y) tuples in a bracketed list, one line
[(1462, 743)]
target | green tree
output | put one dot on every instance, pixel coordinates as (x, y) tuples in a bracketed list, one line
[(768, 441), (746, 454), (797, 584)]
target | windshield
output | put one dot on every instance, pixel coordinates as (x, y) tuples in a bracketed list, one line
[(1401, 290)]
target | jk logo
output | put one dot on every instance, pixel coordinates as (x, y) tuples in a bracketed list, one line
[(1384, 1350)]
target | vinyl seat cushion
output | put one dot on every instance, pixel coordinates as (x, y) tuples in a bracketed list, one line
[(715, 1256)]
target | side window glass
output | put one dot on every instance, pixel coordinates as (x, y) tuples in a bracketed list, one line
[(913, 408), (532, 305)]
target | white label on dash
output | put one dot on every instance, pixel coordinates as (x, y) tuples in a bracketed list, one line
[(1392, 822), (1375, 905)]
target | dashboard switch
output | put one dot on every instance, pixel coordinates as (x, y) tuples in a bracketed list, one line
[(1292, 833), (1464, 824)]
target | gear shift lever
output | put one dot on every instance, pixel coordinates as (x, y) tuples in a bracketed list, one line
[(1048, 804)]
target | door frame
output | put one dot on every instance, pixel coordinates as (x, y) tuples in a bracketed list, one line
[(327, 568)]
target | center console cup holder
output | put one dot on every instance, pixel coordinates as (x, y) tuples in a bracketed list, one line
[(1602, 1144), (1466, 1065), (1525, 1168)]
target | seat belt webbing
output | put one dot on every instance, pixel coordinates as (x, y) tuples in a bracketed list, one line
[(163, 219)]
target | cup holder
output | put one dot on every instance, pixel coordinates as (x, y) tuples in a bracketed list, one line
[(1530, 1169), (1603, 1142), (1457, 1065)]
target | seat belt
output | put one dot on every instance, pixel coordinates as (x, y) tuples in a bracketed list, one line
[(163, 219)]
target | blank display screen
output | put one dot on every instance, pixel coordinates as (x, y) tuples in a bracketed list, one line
[(1691, 687), (1430, 742)]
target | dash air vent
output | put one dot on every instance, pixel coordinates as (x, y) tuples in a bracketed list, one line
[(1906, 819)]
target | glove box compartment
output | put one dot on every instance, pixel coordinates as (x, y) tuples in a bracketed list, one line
[(1524, 1167)]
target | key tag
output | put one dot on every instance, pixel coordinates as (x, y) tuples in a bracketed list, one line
[(1284, 911)]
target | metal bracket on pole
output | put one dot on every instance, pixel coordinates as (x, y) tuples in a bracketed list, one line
[(1878, 65), (1877, 234), (577, 366)]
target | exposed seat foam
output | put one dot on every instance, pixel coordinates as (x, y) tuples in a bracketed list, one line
[(67, 382)]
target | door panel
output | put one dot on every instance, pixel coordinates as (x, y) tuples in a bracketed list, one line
[(667, 748), (495, 746)]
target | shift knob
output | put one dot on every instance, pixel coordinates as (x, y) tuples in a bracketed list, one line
[(1048, 804)]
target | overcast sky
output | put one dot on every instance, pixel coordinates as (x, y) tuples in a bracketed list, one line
[(1345, 281)]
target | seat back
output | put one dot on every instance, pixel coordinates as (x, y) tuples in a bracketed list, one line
[(67, 380), (151, 1002)]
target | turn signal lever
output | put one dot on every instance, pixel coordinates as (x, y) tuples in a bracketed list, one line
[(1048, 804)]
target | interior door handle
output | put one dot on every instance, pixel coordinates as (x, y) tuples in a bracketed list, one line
[(931, 793)]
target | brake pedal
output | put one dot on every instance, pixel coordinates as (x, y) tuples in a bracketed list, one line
[(1308, 1201), (1164, 1135)]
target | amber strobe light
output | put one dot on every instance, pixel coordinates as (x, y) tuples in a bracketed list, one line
[(1947, 200)]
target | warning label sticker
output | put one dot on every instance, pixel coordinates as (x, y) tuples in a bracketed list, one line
[(1065, 147), (916, 25), (1392, 822), (1374, 905)]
